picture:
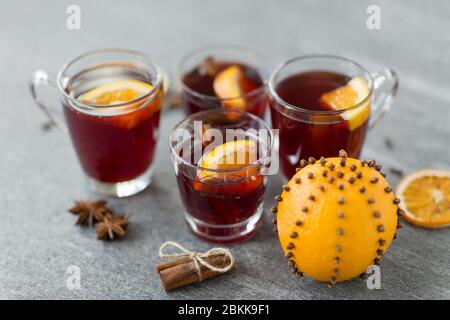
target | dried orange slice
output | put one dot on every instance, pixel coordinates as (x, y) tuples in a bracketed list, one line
[(115, 92), (232, 83), (425, 198), (354, 92)]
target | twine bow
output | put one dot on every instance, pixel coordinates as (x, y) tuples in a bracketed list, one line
[(198, 257)]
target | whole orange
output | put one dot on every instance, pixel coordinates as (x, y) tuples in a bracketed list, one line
[(336, 217)]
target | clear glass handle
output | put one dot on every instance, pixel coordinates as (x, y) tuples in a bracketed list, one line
[(42, 78), (385, 85)]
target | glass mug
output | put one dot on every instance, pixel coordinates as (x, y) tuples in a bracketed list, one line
[(223, 201), (197, 73), (306, 129), (115, 143)]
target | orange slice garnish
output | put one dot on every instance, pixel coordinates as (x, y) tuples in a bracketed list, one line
[(231, 84), (228, 156), (121, 91), (353, 93), (116, 92), (425, 198)]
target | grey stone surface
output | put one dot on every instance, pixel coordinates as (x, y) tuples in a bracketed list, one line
[(40, 175)]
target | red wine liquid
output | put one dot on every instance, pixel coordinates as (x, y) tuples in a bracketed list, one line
[(117, 148), (303, 139), (201, 82), (221, 203)]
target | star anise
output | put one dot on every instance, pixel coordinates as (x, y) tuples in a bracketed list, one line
[(112, 227), (90, 211)]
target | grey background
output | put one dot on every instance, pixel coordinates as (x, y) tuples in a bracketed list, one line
[(40, 175)]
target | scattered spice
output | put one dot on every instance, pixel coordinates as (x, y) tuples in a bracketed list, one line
[(112, 227), (109, 225), (90, 211), (396, 172), (388, 143), (47, 125)]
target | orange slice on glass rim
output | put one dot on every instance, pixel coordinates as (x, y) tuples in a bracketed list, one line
[(353, 93), (120, 91), (231, 84), (425, 198), (116, 92)]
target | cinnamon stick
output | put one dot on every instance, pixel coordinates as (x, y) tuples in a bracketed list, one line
[(181, 272), (210, 66)]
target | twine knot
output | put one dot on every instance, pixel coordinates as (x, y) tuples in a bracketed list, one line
[(197, 257)]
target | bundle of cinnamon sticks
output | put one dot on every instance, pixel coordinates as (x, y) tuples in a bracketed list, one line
[(184, 271)]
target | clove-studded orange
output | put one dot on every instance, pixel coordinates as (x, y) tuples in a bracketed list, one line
[(336, 217)]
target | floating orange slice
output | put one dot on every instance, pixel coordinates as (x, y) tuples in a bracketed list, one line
[(120, 91), (354, 92), (115, 92), (232, 84), (229, 156), (425, 198)]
